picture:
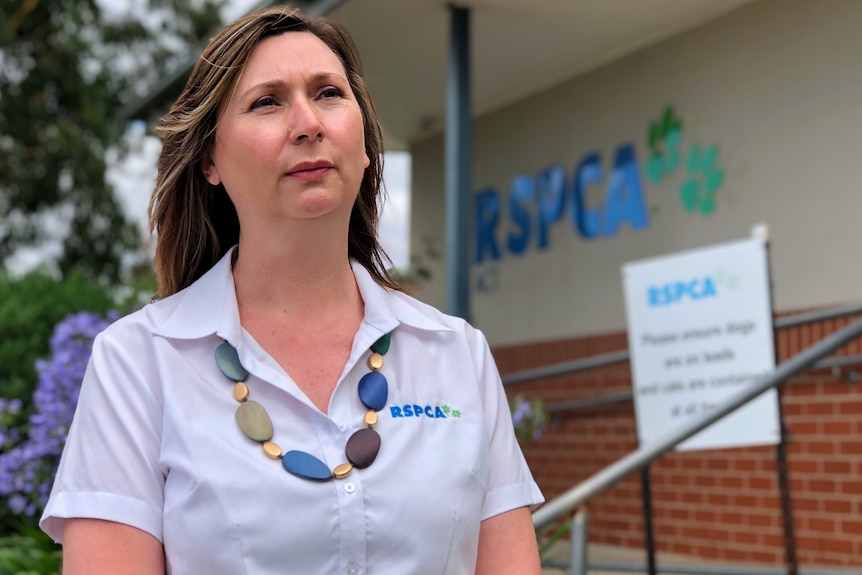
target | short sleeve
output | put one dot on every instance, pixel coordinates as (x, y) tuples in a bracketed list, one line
[(510, 483), (110, 465)]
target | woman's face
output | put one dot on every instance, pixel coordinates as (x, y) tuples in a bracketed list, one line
[(289, 142)]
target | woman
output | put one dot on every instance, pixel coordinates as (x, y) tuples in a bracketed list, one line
[(254, 419)]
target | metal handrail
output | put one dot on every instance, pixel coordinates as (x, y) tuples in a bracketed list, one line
[(566, 503), (623, 355), (623, 396)]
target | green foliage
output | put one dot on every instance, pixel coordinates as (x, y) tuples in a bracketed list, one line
[(31, 553), (30, 307), (66, 69)]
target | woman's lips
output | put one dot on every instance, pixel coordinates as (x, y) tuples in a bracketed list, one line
[(309, 170)]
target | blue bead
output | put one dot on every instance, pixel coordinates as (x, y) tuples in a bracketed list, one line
[(228, 362), (305, 465), (373, 390)]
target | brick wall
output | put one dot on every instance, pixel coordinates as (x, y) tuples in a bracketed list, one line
[(719, 504)]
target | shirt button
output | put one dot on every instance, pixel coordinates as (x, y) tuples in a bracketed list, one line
[(352, 569), (349, 487)]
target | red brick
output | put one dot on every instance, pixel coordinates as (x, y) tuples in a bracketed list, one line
[(820, 447), (803, 466), (804, 427), (821, 525), (843, 507), (837, 467), (852, 487), (733, 482), (760, 483), (854, 527), (821, 486), (838, 546), (850, 407), (705, 481), (851, 447), (820, 408), (760, 520), (837, 427)]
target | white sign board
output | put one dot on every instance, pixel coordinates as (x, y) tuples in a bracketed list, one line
[(700, 330)]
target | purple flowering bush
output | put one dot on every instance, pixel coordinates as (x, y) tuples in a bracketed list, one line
[(29, 456), (528, 417)]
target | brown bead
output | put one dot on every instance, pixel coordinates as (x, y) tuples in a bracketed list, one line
[(362, 448)]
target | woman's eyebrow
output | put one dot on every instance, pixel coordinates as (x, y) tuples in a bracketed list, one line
[(275, 85)]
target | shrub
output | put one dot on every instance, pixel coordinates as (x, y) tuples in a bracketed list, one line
[(27, 467)]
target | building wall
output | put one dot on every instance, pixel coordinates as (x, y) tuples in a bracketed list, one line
[(718, 504), (775, 88)]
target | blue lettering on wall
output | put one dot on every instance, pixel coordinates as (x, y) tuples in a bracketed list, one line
[(521, 191), (675, 292), (625, 197), (552, 201), (535, 204), (589, 172)]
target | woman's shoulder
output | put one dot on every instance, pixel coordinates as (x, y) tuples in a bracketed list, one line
[(144, 320), (429, 312)]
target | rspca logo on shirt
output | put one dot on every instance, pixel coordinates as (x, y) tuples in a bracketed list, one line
[(429, 411)]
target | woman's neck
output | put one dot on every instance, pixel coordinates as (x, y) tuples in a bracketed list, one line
[(307, 280)]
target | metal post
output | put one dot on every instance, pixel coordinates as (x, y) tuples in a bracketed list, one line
[(458, 159), (649, 537), (786, 503), (578, 541), (781, 453)]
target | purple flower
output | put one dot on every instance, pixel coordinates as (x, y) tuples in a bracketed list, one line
[(528, 417), (27, 466)]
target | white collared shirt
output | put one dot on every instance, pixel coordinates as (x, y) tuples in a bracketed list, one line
[(155, 445)]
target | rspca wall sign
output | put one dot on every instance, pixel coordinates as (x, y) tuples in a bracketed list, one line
[(700, 330)]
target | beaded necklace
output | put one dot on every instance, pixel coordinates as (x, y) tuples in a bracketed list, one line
[(362, 447)]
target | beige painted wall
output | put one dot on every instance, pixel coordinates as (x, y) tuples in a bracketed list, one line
[(777, 86)]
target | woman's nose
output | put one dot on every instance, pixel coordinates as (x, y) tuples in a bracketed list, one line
[(304, 122)]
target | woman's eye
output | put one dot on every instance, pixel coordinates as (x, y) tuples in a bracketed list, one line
[(331, 92), (261, 102)]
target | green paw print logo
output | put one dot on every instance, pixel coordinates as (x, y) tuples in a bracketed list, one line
[(703, 177), (663, 138), (726, 280), (451, 412)]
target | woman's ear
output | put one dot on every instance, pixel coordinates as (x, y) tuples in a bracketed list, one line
[(211, 172)]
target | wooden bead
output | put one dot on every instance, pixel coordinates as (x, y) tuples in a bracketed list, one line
[(362, 448), (272, 450), (240, 391), (371, 418), (342, 471), (254, 421), (375, 362), (228, 362)]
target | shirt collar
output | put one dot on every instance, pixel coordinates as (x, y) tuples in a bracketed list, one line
[(208, 306)]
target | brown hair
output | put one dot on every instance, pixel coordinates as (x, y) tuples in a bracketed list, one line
[(196, 222)]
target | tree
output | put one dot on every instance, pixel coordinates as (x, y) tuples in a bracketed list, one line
[(66, 69)]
